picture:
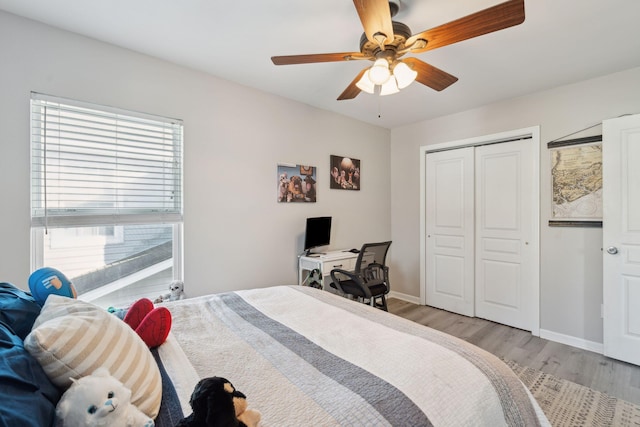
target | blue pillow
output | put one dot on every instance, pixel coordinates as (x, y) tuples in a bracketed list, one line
[(18, 309), (27, 396)]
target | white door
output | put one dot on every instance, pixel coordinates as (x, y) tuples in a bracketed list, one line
[(504, 229), (621, 238), (449, 230)]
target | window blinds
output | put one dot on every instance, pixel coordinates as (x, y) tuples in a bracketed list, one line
[(93, 165)]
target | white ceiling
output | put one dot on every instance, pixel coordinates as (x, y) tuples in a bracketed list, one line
[(561, 41)]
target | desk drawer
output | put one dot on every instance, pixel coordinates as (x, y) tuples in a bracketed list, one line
[(344, 264)]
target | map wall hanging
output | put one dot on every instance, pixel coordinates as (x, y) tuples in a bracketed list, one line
[(576, 182)]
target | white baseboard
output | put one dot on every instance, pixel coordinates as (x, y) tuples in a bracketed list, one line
[(583, 344), (404, 297)]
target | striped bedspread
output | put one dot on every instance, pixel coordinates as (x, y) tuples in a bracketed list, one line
[(306, 357)]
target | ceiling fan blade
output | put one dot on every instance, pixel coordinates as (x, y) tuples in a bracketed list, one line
[(429, 75), (486, 21), (320, 57), (352, 90), (375, 16)]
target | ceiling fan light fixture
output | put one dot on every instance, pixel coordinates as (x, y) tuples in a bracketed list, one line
[(379, 72), (365, 84), (404, 75), (389, 87)]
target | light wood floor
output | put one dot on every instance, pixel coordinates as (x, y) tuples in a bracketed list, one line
[(584, 367)]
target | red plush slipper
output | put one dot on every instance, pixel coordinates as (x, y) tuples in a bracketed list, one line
[(155, 327), (137, 312)]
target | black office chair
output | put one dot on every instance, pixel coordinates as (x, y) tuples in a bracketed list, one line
[(369, 282)]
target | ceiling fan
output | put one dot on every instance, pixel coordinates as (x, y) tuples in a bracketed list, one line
[(385, 41)]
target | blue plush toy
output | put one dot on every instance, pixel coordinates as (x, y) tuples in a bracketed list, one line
[(46, 281)]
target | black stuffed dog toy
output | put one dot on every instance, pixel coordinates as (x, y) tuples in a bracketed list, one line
[(216, 403)]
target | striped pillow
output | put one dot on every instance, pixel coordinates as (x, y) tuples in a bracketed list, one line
[(71, 338)]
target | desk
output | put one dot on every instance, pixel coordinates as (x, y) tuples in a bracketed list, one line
[(324, 264)]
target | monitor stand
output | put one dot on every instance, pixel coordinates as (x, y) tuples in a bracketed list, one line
[(313, 254)]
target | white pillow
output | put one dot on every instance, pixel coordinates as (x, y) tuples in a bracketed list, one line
[(71, 338)]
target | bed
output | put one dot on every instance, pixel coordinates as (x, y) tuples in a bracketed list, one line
[(306, 357)]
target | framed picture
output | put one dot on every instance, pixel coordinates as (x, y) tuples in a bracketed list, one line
[(576, 182), (345, 173), (296, 183)]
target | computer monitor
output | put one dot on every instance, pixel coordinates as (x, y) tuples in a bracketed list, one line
[(317, 233)]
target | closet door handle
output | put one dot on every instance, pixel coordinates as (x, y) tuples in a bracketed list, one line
[(612, 250)]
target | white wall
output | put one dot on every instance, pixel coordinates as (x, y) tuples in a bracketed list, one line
[(236, 235), (571, 258)]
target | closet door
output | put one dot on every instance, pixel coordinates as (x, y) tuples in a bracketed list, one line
[(504, 206), (449, 264), (621, 238)]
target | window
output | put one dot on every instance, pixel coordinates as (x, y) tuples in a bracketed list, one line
[(84, 237), (106, 198)]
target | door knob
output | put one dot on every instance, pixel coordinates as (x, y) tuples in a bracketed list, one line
[(612, 250)]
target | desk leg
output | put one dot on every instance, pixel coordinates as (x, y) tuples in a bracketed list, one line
[(326, 284), (303, 277), (310, 273)]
